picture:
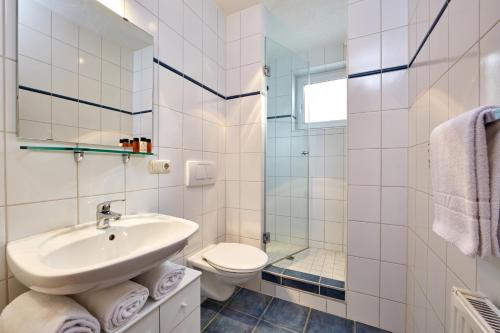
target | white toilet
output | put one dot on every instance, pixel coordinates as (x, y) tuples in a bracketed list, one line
[(224, 266)]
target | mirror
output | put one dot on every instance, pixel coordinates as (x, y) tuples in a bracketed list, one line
[(85, 74)]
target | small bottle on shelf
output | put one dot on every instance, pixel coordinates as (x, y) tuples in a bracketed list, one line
[(143, 145), (136, 145), (149, 146)]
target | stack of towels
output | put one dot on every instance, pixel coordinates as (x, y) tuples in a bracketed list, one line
[(108, 309), (465, 171)]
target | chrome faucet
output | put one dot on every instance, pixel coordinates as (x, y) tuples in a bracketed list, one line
[(104, 214)]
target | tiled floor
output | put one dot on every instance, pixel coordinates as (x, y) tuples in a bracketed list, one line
[(321, 262), (252, 312)]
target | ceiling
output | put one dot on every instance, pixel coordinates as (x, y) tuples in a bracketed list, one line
[(299, 24)]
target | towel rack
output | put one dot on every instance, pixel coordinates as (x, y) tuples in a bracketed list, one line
[(496, 116)]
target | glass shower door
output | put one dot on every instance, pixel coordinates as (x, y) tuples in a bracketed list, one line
[(287, 155)]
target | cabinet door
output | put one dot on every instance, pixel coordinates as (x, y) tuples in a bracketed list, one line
[(148, 324), (179, 307), (191, 324)]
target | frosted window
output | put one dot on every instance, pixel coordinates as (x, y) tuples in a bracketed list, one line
[(326, 101)]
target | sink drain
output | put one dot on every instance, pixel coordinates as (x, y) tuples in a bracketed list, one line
[(111, 237)]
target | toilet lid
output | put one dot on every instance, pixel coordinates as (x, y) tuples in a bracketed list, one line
[(236, 257)]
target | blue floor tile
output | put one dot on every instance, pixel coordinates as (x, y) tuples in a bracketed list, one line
[(286, 314), (229, 321), (321, 322), (363, 328), (265, 327), (249, 302), (208, 311)]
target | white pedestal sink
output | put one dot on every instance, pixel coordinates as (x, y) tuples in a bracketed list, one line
[(76, 259)]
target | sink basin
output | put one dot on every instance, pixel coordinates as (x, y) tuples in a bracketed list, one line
[(76, 259)]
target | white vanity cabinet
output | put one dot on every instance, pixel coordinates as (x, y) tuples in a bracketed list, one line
[(179, 312)]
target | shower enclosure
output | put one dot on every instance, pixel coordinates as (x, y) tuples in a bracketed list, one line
[(287, 155), (305, 162)]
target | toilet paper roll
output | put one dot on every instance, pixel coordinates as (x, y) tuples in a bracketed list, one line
[(159, 166)]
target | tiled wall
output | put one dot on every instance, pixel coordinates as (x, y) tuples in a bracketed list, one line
[(377, 163), (245, 126), (42, 191), (76, 63), (456, 70)]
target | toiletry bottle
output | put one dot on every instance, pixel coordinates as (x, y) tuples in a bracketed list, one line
[(149, 145), (136, 145), (143, 145)]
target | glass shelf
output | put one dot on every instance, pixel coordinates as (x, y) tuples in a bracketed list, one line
[(79, 151)]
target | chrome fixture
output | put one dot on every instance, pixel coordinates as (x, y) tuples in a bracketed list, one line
[(104, 214)]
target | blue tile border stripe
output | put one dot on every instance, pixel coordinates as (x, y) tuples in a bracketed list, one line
[(76, 100), (201, 85), (421, 45), (428, 34), (282, 116), (304, 281)]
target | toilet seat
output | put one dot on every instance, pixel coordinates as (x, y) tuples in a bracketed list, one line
[(235, 257)]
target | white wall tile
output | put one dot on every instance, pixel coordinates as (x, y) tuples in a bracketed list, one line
[(21, 223), (394, 14), (393, 282), (170, 46), (364, 94), (100, 175), (394, 202), (489, 70), (394, 167), (462, 37), (363, 308), (364, 130), (364, 275), (363, 18), (233, 27), (394, 90), (395, 128), (252, 21), (364, 54), (364, 203), (363, 239), (392, 316), (252, 50), (395, 47), (364, 167), (393, 244), (56, 181)]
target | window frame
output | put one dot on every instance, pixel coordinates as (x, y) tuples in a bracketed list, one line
[(315, 77)]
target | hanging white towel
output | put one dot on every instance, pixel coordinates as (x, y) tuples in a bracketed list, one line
[(461, 181), (114, 306), (34, 312), (162, 279), (493, 139)]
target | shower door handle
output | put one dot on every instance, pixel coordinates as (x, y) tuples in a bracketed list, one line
[(305, 153)]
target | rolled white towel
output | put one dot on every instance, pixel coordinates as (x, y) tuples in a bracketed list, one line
[(114, 306), (33, 312), (162, 279)]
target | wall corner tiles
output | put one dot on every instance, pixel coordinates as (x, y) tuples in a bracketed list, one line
[(245, 125), (377, 159)]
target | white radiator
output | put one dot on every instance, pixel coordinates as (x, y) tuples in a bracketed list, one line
[(473, 313)]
